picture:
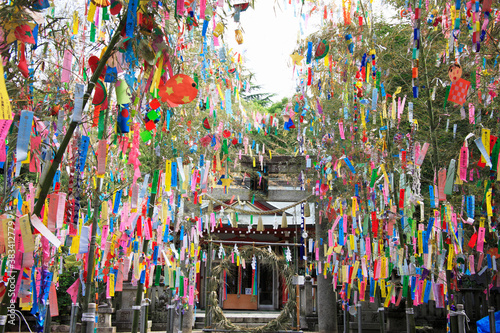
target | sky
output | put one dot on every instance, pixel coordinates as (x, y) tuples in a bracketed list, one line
[(270, 31), (270, 34)]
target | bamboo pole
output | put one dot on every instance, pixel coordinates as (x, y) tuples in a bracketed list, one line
[(90, 263), (140, 286), (46, 182), (491, 308)]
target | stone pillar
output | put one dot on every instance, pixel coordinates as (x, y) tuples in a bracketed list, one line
[(125, 312), (306, 303), (104, 322), (309, 296), (187, 320)]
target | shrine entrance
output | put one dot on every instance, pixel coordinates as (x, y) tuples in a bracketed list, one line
[(246, 292), (268, 289)]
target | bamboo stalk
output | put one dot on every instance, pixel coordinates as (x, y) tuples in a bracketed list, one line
[(46, 182), (90, 261)]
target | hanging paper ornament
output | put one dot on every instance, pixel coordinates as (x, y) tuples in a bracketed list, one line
[(111, 75), (219, 29), (179, 89), (350, 43), (206, 124), (221, 251), (100, 95), (123, 119), (307, 210), (238, 35), (455, 73), (458, 91), (116, 7), (41, 4), (327, 139), (321, 50), (24, 33), (288, 255), (93, 62), (23, 64), (260, 225), (234, 220), (296, 58), (226, 134), (284, 223), (323, 189), (289, 124), (205, 141), (242, 6), (101, 3)]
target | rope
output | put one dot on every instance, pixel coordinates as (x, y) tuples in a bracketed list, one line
[(251, 212), (460, 313)]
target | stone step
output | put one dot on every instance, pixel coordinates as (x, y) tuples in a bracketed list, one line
[(247, 316), (241, 320), (365, 327), (199, 326)]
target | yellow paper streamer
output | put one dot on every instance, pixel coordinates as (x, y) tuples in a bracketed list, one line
[(5, 108)]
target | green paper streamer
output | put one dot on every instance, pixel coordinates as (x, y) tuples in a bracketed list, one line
[(105, 14), (494, 155), (446, 96), (365, 225), (374, 177), (4, 264), (92, 32), (100, 125), (225, 150), (156, 175), (405, 286), (157, 275)]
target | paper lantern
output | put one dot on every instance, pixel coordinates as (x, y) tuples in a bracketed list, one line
[(179, 89)]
